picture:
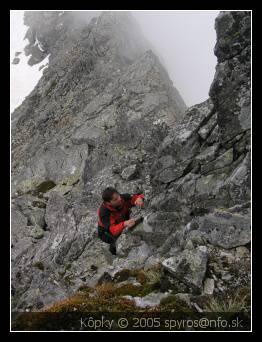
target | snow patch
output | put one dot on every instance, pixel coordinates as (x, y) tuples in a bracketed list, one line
[(23, 77)]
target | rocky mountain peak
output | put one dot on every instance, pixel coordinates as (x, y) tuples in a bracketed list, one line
[(105, 113)]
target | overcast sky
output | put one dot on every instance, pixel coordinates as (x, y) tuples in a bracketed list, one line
[(185, 40)]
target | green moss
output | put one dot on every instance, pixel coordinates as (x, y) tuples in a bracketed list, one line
[(27, 185), (120, 150), (68, 266), (61, 189), (141, 277), (109, 296), (44, 187), (124, 274), (38, 204), (104, 297), (173, 303), (135, 291), (105, 127), (85, 289), (174, 289), (154, 275), (68, 280), (39, 265), (99, 299)]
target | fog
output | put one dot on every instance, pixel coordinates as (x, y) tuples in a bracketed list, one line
[(184, 41)]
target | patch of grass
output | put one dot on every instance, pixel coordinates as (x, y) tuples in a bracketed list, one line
[(152, 275), (108, 296), (238, 302), (172, 303), (101, 298), (84, 289), (105, 290), (136, 291), (124, 274), (67, 305)]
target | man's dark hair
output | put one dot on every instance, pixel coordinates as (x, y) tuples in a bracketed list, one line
[(108, 193)]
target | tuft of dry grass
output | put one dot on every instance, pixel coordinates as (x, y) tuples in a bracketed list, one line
[(235, 303)]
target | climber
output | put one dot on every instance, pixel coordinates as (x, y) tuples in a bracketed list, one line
[(114, 215)]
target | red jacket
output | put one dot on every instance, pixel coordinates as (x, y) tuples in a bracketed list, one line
[(112, 219)]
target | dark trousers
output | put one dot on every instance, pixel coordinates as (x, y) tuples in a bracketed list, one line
[(108, 238)]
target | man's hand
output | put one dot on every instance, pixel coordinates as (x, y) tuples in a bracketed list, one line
[(130, 223), (139, 202)]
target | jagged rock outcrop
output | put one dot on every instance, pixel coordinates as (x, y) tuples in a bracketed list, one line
[(106, 113), (203, 165), (88, 97), (198, 158)]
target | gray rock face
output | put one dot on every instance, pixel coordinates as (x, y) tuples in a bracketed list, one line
[(37, 232), (126, 242), (232, 73), (129, 173), (225, 229), (110, 98), (189, 266), (65, 227), (181, 146), (207, 156), (105, 113)]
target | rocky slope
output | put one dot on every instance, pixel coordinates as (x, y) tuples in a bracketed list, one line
[(106, 113)]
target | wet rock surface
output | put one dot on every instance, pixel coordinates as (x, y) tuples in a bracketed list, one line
[(105, 113)]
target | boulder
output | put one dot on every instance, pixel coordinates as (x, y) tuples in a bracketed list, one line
[(150, 300), (225, 229), (129, 173), (126, 242), (189, 266), (209, 285)]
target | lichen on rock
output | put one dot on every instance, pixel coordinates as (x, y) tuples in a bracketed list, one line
[(105, 113)]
